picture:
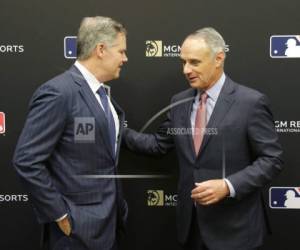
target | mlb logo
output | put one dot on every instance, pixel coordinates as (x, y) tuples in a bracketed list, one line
[(284, 197), (2, 123), (285, 46), (70, 47)]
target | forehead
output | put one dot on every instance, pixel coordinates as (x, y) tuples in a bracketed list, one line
[(194, 48), (120, 40)]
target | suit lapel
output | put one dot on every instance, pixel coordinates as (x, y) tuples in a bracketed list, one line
[(94, 106), (224, 103)]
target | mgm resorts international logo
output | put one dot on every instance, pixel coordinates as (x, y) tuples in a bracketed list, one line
[(287, 126), (13, 198), (158, 198), (156, 48), (11, 48)]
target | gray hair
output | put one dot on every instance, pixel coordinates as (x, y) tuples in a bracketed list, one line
[(94, 30), (212, 38)]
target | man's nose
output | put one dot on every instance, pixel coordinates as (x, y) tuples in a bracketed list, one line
[(125, 58), (186, 69)]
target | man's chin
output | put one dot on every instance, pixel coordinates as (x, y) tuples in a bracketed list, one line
[(116, 76), (195, 84)]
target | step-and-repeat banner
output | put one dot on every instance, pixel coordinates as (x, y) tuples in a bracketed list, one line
[(38, 41)]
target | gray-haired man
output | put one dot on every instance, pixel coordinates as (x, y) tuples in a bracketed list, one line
[(73, 130), (232, 152)]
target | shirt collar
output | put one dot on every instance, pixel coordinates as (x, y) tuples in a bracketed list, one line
[(215, 90), (88, 76)]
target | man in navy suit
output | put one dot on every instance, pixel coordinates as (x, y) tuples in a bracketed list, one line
[(73, 132), (227, 150)]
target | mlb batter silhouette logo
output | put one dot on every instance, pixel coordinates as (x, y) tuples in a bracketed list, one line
[(285, 46)]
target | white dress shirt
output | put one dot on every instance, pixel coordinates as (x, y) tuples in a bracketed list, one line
[(212, 97), (94, 84)]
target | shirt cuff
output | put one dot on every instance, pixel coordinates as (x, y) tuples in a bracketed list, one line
[(231, 188), (61, 218)]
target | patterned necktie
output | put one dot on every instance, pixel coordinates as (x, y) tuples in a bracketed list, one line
[(200, 123), (110, 119)]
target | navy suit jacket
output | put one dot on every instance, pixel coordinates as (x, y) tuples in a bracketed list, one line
[(241, 137), (51, 162)]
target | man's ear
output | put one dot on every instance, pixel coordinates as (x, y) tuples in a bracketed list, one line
[(100, 50), (220, 57)]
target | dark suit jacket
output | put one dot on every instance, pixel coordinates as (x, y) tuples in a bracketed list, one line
[(246, 144), (51, 162)]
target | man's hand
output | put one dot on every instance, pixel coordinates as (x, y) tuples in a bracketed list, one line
[(65, 226), (210, 192)]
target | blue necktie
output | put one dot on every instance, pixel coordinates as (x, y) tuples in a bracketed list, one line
[(110, 119)]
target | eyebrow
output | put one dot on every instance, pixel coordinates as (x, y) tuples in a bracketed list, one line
[(190, 59)]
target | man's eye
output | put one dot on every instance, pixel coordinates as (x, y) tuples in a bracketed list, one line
[(195, 63)]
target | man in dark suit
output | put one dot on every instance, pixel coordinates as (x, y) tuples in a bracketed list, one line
[(72, 132), (227, 149)]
